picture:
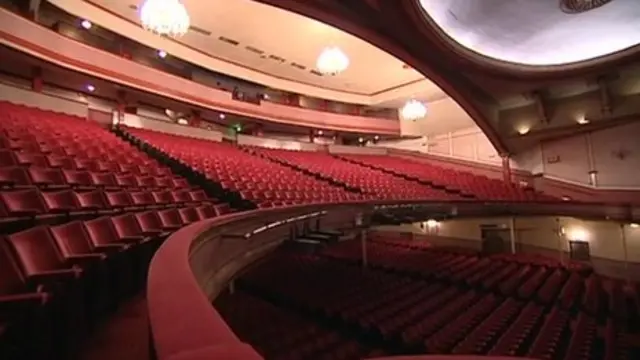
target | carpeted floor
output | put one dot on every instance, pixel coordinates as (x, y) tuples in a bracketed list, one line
[(124, 336)]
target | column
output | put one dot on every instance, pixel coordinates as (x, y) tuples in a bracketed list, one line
[(512, 233), (195, 118), (363, 241), (625, 254), (36, 79), (559, 237), (506, 169), (312, 136), (121, 99)]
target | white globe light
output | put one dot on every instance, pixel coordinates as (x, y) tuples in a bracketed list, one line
[(332, 61), (165, 17), (413, 110)]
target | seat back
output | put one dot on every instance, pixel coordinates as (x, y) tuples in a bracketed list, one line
[(60, 201), (72, 239), (101, 231), (126, 226), (148, 221), (36, 250), (23, 202), (11, 278), (170, 218), (206, 212), (189, 215), (92, 200), (118, 199)]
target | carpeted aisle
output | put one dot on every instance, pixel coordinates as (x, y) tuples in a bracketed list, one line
[(124, 336)]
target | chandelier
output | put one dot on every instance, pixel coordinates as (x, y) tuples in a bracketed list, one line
[(332, 61), (413, 110), (165, 17)]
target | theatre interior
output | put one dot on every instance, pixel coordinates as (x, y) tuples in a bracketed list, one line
[(319, 179)]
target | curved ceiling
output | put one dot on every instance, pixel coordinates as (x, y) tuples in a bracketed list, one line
[(537, 32)]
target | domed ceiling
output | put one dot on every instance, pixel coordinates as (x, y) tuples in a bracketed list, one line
[(539, 32)]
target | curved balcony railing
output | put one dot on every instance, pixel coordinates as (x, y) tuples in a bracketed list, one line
[(197, 261)]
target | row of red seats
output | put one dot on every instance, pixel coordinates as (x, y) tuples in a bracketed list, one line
[(374, 183), (123, 165), (288, 336), (17, 177), (77, 270), (263, 182), (482, 187)]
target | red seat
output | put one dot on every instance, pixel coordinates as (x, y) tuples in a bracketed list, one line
[(7, 158), (30, 159), (14, 177), (47, 177), (60, 202), (93, 201), (78, 179), (189, 215), (170, 219), (23, 202), (150, 224)]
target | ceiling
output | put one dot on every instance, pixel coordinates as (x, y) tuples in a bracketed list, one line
[(537, 32), (270, 46)]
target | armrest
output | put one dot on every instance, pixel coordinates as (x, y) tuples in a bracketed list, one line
[(21, 302), (133, 239), (116, 246), (56, 275), (85, 259)]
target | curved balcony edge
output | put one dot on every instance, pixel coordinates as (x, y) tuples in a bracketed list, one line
[(196, 261)]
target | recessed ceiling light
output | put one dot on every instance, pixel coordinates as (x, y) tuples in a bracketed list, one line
[(221, 116), (376, 137), (91, 88), (86, 24), (360, 139), (162, 54), (320, 132)]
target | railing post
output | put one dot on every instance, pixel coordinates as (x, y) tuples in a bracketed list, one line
[(363, 241), (512, 233), (625, 254)]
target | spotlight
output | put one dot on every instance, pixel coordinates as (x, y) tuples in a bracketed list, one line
[(91, 88), (360, 139), (86, 24), (162, 54), (221, 116), (376, 138), (320, 132)]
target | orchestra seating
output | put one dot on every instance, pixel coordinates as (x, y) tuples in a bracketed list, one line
[(81, 213), (480, 187), (265, 183), (374, 184), (425, 300)]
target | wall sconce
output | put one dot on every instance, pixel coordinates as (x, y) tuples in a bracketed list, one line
[(578, 234), (523, 129)]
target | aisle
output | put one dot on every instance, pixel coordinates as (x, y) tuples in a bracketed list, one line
[(124, 336)]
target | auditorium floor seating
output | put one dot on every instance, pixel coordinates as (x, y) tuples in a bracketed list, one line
[(81, 213), (422, 299), (479, 187)]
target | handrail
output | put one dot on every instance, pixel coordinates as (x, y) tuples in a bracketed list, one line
[(188, 270)]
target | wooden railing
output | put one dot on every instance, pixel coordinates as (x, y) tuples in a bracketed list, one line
[(197, 261)]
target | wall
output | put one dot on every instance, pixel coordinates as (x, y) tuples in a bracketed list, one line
[(345, 149), (154, 121), (613, 154), (540, 234), (276, 143), (467, 144), (47, 101)]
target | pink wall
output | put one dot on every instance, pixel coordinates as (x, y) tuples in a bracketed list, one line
[(24, 35)]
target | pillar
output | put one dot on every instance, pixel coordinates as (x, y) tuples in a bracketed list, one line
[(36, 79), (312, 136), (121, 103), (559, 238), (512, 233), (195, 118), (363, 241), (506, 169), (625, 254)]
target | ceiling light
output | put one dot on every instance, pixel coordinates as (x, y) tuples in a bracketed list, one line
[(634, 225), (523, 130), (221, 116), (86, 24), (162, 54), (332, 61), (360, 139), (413, 110), (432, 223), (583, 120), (320, 132), (183, 121), (91, 88), (165, 17), (376, 138)]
